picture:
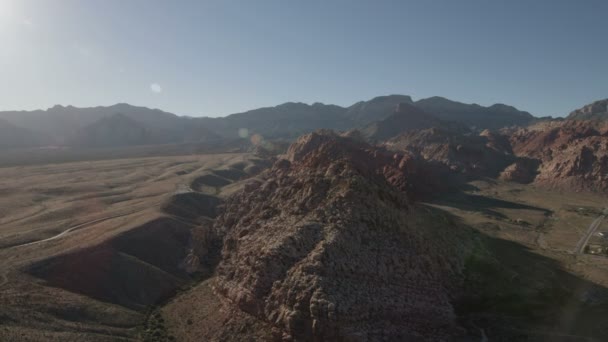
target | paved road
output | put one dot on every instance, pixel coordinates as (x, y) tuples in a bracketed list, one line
[(82, 225), (580, 246)]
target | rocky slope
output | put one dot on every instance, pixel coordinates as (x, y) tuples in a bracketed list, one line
[(12, 136), (405, 118), (116, 130), (474, 115), (572, 154), (287, 120), (327, 245), (468, 154), (378, 108), (595, 110)]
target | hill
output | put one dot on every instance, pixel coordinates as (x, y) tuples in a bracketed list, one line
[(572, 154), (69, 126), (63, 123), (469, 155), (118, 130), (376, 109), (405, 118), (595, 110), (474, 115), (329, 236), (287, 120), (12, 136)]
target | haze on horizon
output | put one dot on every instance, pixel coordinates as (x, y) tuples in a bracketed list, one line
[(214, 58)]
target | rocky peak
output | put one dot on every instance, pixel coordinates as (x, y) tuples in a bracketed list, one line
[(326, 149), (595, 110), (573, 153), (325, 246), (465, 154)]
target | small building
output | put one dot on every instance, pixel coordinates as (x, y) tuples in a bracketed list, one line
[(595, 249), (603, 235)]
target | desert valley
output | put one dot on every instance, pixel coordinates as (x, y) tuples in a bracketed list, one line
[(389, 220), (303, 171)]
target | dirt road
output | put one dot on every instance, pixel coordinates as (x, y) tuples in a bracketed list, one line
[(580, 246)]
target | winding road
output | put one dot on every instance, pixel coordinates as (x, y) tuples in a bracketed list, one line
[(180, 188), (67, 231), (4, 277), (580, 246)]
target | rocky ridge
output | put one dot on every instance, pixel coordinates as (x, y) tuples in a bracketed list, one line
[(326, 245), (595, 110), (468, 155), (572, 154), (406, 118)]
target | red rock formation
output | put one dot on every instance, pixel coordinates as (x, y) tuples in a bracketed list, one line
[(574, 154), (523, 170), (595, 110), (472, 156), (327, 247)]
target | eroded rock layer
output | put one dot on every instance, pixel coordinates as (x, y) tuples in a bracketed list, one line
[(326, 245), (469, 155), (573, 154)]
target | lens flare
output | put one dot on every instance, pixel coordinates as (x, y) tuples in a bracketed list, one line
[(243, 132), (257, 139), (6, 10), (156, 88)]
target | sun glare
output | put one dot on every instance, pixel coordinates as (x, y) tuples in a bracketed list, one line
[(5, 11), (5, 8)]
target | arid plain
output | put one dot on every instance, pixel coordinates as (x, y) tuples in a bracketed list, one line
[(58, 209)]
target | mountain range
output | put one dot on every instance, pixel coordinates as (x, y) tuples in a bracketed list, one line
[(98, 126)]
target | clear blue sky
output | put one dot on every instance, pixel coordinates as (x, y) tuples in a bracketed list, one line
[(214, 58)]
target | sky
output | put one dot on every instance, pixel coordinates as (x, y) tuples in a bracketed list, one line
[(213, 58)]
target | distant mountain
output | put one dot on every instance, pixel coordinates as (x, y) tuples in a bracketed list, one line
[(288, 120), (67, 125), (13, 136), (595, 110), (116, 130), (473, 115), (196, 130), (470, 155), (378, 108), (405, 118), (492, 117), (63, 123)]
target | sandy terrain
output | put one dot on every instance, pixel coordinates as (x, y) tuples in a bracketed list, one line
[(58, 209)]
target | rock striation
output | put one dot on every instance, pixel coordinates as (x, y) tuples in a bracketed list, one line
[(573, 154), (596, 110), (523, 170), (327, 245), (468, 155)]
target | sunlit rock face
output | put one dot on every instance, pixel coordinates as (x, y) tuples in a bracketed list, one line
[(328, 246), (470, 156), (573, 154), (523, 170), (592, 111)]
